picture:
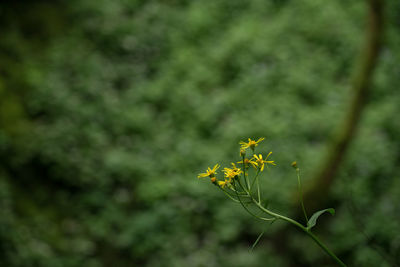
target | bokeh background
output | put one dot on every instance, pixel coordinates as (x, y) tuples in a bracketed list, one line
[(110, 109)]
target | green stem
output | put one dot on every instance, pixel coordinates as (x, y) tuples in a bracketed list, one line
[(304, 229), (242, 193), (244, 189), (327, 250), (244, 175), (258, 172), (301, 194), (226, 193), (258, 217), (258, 190)]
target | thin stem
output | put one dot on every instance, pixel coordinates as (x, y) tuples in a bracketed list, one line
[(301, 194), (304, 229), (258, 191), (258, 172), (244, 174), (226, 193), (244, 206), (326, 249), (243, 193), (278, 216), (244, 189)]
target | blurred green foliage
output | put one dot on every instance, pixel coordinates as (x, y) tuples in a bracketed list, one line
[(109, 109)]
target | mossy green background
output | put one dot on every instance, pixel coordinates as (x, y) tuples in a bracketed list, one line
[(110, 109)]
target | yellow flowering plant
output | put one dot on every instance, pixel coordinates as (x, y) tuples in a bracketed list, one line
[(239, 187)]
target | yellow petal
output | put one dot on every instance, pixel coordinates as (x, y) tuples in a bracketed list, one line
[(260, 139)]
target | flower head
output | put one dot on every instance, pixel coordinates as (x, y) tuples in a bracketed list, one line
[(251, 143), (210, 172), (247, 162), (233, 172), (260, 161), (224, 183)]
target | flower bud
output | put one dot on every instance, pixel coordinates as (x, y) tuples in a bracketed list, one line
[(294, 164)]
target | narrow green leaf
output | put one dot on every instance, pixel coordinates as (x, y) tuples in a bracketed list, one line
[(313, 220), (256, 242), (259, 237)]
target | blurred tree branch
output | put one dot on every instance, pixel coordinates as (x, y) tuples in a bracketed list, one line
[(315, 194)]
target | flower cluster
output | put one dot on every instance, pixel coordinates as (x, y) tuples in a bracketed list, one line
[(234, 173), (243, 188), (230, 174)]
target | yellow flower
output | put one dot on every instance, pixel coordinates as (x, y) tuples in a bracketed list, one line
[(234, 168), (233, 172), (252, 143), (247, 162), (260, 161), (210, 172), (224, 183)]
